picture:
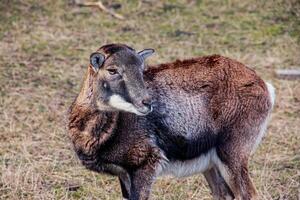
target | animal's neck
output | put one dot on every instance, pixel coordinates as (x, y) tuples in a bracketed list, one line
[(88, 126)]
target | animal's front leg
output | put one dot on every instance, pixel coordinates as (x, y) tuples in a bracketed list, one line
[(125, 185), (141, 182)]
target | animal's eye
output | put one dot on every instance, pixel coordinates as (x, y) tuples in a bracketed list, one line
[(112, 71)]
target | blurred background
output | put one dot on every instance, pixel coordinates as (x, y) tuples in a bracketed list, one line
[(44, 51)]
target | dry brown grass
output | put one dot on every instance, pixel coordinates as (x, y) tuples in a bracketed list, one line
[(44, 47)]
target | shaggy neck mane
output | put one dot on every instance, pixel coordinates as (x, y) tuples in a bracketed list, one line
[(89, 127)]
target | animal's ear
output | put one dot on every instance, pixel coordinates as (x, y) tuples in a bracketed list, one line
[(97, 60), (146, 53)]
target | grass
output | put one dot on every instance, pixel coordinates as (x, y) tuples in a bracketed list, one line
[(44, 50)]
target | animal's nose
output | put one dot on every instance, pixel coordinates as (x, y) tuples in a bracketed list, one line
[(147, 101)]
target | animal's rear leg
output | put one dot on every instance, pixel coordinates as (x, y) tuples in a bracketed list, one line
[(234, 170), (217, 184), (235, 147)]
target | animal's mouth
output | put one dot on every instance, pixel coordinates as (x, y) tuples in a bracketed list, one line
[(145, 110)]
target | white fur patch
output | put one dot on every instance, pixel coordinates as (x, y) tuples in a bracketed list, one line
[(271, 91), (189, 167), (116, 101)]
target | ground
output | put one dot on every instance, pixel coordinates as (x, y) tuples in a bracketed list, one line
[(44, 51)]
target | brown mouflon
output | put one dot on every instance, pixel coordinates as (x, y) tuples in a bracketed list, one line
[(202, 115)]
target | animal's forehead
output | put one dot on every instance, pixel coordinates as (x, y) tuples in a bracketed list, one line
[(126, 58)]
